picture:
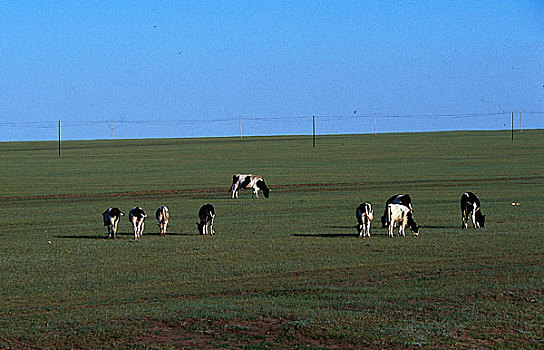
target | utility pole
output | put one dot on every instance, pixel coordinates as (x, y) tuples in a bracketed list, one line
[(512, 126), (313, 137), (240, 122), (111, 126), (59, 138), (520, 127), (374, 123)]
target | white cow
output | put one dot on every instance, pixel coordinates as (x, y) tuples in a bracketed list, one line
[(162, 214), (137, 217), (403, 199), (365, 215), (398, 213), (248, 181), (111, 220)]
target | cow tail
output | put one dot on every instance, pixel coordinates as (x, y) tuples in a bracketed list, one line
[(368, 209)]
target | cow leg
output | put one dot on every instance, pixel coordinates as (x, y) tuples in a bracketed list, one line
[(464, 219), (368, 228), (474, 216), (211, 227), (362, 227), (114, 229)]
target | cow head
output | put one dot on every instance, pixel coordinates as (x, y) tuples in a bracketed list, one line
[(106, 217), (266, 192), (384, 223), (480, 219), (412, 224), (200, 227)]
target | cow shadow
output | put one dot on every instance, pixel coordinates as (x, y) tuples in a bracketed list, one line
[(352, 228), (105, 235), (440, 226), (325, 235), (337, 235), (343, 227), (331, 235), (82, 236)]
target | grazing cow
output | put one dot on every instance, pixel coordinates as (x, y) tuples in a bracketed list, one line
[(162, 216), (111, 220), (249, 181), (206, 214), (137, 217), (403, 199), (403, 215), (365, 215), (470, 205)]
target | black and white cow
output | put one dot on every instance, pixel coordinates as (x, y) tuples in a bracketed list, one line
[(137, 217), (403, 199), (206, 214), (365, 215), (248, 181), (399, 213), (162, 216), (111, 220), (470, 205)]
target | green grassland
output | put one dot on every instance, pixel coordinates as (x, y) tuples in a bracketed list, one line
[(283, 272)]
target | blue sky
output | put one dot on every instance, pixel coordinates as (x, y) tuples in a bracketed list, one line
[(192, 68)]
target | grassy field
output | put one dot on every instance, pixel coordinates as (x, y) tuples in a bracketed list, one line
[(284, 272)]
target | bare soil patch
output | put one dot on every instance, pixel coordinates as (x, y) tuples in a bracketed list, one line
[(222, 191), (235, 334)]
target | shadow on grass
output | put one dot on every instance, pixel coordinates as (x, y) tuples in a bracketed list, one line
[(440, 226), (325, 235), (82, 236), (346, 227), (339, 235), (130, 234)]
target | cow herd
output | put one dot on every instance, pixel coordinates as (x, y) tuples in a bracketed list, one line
[(398, 211)]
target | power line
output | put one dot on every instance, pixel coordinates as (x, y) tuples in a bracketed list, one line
[(76, 124)]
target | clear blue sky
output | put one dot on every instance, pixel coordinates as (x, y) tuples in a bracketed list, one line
[(191, 68)]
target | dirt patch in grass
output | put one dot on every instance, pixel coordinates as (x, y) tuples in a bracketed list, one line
[(236, 334), (222, 191)]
